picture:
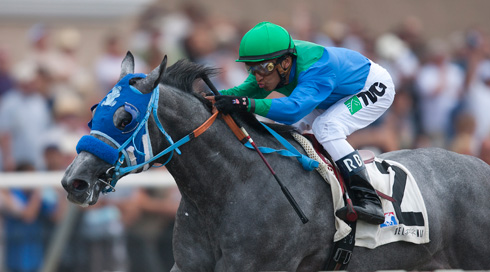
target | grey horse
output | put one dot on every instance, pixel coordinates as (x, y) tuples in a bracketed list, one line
[(233, 216)]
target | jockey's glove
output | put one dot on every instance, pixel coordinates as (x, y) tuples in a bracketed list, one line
[(230, 103)]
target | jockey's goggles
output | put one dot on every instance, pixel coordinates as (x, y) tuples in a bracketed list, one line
[(263, 69)]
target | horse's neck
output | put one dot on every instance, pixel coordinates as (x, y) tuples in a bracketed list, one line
[(202, 171)]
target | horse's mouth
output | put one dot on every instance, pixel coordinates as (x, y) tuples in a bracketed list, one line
[(82, 194), (76, 201)]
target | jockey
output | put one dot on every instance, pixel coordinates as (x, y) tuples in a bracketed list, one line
[(328, 91)]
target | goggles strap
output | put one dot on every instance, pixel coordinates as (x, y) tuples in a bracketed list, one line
[(283, 73)]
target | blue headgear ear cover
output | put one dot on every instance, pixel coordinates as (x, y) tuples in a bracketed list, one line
[(138, 149)]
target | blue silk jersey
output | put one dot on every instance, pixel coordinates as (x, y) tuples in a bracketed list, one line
[(320, 77)]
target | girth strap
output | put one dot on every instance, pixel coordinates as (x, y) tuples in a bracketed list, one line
[(342, 250)]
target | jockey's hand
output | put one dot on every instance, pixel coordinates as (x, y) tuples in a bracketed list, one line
[(230, 103), (210, 98)]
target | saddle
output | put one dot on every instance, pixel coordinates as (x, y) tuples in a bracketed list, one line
[(405, 212), (401, 199)]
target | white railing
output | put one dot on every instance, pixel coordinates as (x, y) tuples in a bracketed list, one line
[(152, 178)]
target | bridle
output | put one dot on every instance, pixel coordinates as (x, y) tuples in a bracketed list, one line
[(118, 169)]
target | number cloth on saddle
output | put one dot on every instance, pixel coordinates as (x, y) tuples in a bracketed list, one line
[(406, 219)]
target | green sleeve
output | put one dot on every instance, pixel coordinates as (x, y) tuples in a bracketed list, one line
[(262, 106), (248, 88)]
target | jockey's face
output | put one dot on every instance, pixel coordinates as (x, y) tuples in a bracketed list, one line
[(266, 79)]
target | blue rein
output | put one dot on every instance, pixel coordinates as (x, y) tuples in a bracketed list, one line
[(307, 163)]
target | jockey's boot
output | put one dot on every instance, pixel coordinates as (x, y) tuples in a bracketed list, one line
[(365, 199)]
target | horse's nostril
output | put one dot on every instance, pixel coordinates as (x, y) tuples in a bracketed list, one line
[(79, 185)]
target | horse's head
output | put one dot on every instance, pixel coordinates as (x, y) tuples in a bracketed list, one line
[(119, 141)]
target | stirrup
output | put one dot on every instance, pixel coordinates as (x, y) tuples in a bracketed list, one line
[(350, 213), (347, 214)]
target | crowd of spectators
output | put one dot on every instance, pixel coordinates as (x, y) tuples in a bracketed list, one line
[(443, 93)]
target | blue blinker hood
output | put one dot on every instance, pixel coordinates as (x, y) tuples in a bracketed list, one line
[(133, 141)]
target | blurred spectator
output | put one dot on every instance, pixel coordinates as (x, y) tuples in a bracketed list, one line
[(39, 38), (152, 54), (201, 45), (469, 52), (402, 120), (67, 43), (302, 26), (379, 139), (485, 150), (25, 213), (70, 124), (227, 42), (396, 56), (335, 32), (41, 51), (438, 84), (6, 79), (463, 141), (477, 101), (214, 45), (67, 73), (410, 31), (356, 37), (24, 119), (54, 158), (108, 65), (104, 233), (174, 28), (150, 228)]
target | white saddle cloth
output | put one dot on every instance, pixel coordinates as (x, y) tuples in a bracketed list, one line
[(405, 220)]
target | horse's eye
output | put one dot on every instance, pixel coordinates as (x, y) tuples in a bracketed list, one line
[(122, 118), (93, 109)]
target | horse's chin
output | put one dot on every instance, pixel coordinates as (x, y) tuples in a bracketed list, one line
[(89, 198)]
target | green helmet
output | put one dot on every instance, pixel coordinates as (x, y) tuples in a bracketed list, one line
[(265, 41)]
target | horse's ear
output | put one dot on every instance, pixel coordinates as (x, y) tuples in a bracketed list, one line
[(127, 65), (152, 80), (161, 70)]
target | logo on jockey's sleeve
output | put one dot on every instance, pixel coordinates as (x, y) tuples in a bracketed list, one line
[(376, 90)]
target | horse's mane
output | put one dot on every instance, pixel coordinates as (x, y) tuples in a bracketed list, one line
[(184, 73)]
